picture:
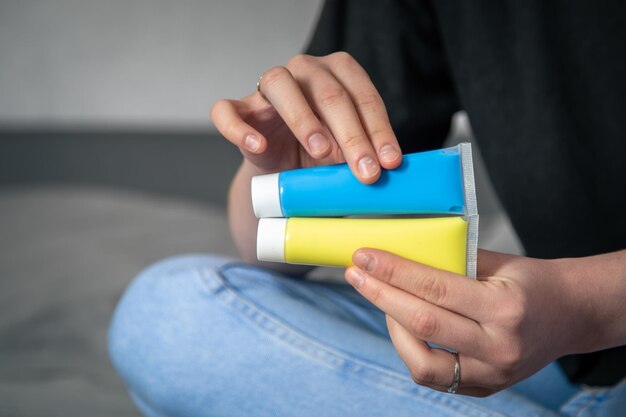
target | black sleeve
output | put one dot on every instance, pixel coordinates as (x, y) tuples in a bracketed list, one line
[(398, 44)]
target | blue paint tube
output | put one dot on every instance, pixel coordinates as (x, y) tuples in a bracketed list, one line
[(439, 182)]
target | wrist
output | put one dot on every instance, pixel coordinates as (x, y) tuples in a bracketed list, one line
[(579, 315), (595, 294)]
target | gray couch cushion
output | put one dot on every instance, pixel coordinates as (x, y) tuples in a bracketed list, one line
[(66, 255)]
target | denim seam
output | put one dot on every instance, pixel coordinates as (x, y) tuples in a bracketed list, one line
[(580, 402), (585, 406), (327, 355), (595, 398)]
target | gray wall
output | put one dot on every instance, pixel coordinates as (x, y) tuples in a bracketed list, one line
[(139, 63), (149, 65)]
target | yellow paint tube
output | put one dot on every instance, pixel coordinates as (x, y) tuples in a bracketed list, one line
[(442, 242)]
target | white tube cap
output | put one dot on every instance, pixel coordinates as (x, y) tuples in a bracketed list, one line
[(266, 196), (270, 240)]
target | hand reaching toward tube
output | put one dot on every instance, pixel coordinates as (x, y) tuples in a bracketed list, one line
[(520, 315), (313, 111)]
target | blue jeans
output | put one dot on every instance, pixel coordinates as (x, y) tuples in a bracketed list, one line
[(199, 335)]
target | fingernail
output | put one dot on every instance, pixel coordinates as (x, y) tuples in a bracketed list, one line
[(318, 143), (364, 261), (355, 277), (252, 143), (368, 167), (389, 153)]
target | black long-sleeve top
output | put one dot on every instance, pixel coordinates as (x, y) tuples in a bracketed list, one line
[(544, 85)]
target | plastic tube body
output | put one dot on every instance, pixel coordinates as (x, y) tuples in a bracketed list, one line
[(425, 183), (439, 242)]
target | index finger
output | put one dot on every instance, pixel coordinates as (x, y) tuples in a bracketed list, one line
[(424, 320), (370, 108), (453, 292), (332, 102)]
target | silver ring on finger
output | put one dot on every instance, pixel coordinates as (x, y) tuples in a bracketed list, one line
[(454, 387), (258, 87)]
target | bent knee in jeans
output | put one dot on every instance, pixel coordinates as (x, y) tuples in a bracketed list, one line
[(193, 336), (161, 326)]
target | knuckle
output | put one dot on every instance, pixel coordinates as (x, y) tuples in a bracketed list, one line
[(301, 120), (513, 312), (217, 107), (422, 374), (223, 118), (423, 323), (432, 289), (331, 96), (382, 132), (300, 60), (377, 293), (274, 75), (342, 57), (352, 140), (369, 101), (511, 357), (515, 358), (501, 380)]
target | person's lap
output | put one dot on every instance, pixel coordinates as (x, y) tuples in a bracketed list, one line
[(199, 335)]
